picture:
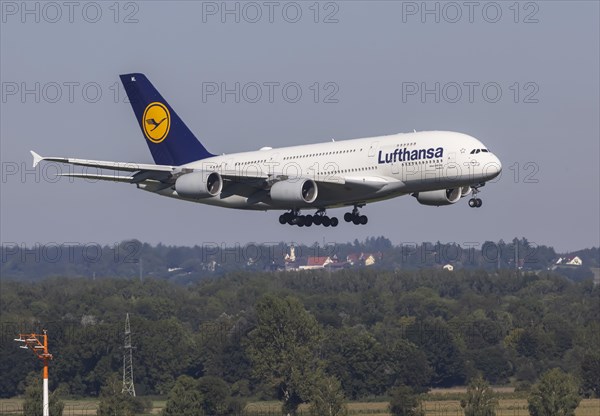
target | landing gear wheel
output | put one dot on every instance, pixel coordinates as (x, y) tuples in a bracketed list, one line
[(282, 219), (478, 202), (473, 202), (308, 220), (334, 222), (317, 220), (355, 217), (326, 221)]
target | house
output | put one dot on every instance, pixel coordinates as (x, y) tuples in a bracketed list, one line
[(291, 256), (569, 261), (316, 263), (363, 259)]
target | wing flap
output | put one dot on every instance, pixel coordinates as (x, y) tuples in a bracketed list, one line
[(89, 176)]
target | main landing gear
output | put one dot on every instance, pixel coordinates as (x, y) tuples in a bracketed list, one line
[(294, 218), (475, 202), (320, 218), (355, 217)]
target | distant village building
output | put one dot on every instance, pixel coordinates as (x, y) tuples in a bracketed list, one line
[(363, 259), (332, 263), (569, 261), (291, 256), (211, 266), (316, 263)]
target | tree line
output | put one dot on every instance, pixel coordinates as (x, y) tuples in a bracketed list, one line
[(278, 335), (187, 265)]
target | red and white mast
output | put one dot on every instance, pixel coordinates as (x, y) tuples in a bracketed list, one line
[(38, 343)]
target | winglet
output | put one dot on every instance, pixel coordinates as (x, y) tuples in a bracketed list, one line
[(36, 158)]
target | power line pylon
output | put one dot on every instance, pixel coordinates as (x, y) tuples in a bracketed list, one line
[(40, 349), (128, 386)]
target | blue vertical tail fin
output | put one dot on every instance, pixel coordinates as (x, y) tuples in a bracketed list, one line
[(170, 141)]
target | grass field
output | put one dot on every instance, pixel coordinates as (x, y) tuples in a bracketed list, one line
[(435, 407)]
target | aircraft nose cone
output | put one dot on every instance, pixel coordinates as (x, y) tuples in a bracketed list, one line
[(494, 168), (498, 163)]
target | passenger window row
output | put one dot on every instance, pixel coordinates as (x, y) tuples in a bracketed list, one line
[(251, 162), (337, 152)]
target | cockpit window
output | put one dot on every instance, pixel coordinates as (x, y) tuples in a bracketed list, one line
[(477, 151), (484, 150), (473, 151)]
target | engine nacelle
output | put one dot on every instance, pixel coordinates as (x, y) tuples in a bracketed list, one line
[(297, 191), (198, 185), (465, 191), (440, 197)]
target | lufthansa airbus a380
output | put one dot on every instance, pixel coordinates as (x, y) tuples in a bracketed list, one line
[(436, 167)]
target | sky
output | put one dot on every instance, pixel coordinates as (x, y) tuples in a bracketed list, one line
[(521, 77)]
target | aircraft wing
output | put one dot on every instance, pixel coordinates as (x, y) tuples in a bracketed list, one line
[(139, 172), (119, 166), (136, 172)]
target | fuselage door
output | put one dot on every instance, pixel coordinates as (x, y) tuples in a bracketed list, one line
[(373, 149)]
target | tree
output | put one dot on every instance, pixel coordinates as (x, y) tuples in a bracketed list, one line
[(590, 373), (355, 357), (328, 398), (184, 399), (214, 395), (115, 403), (405, 402), (284, 349), (442, 348), (555, 395), (367, 367), (480, 400), (33, 403), (205, 396)]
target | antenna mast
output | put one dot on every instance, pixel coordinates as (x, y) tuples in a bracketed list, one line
[(128, 386), (38, 343)]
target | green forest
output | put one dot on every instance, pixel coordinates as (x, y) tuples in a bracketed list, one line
[(265, 334)]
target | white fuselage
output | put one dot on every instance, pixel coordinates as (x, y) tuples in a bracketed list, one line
[(400, 163)]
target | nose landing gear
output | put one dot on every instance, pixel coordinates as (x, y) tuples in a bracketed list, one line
[(475, 202)]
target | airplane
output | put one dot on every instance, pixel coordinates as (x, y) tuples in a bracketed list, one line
[(436, 167)]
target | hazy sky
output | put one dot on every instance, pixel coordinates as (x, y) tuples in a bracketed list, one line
[(523, 79)]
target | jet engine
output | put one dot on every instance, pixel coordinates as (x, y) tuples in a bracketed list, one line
[(298, 191), (465, 191), (198, 185), (440, 197)]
